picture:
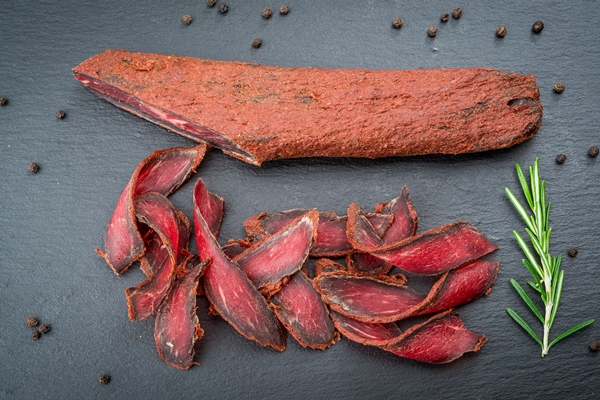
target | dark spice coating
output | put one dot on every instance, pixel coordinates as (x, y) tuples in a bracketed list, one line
[(317, 112)]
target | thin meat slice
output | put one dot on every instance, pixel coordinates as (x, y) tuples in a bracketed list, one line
[(367, 263), (156, 211), (405, 220), (177, 328), (231, 293), (163, 171), (381, 222), (319, 112), (211, 206), (430, 253), (325, 265), (464, 284), (364, 332), (234, 248), (282, 254), (370, 299), (299, 307)]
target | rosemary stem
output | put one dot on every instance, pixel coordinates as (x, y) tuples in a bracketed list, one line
[(545, 346)]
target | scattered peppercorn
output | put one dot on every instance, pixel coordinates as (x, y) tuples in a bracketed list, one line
[(211, 3), (186, 19), (43, 328), (104, 379), (560, 158), (283, 10), (60, 114), (3, 101), (432, 31), (397, 23), (573, 252), (35, 335), (31, 322), (559, 88), (256, 43), (593, 151), (445, 17), (537, 26), (267, 13), (457, 13), (223, 8), (595, 345), (501, 31), (33, 168)]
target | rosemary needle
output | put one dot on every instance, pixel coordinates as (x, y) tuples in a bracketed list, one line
[(545, 269)]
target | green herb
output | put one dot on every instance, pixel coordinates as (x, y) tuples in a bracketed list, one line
[(545, 269)]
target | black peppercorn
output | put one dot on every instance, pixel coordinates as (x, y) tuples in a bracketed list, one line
[(186, 19), (457, 13), (593, 151), (595, 345), (223, 8), (43, 328), (573, 252), (104, 379), (35, 335), (432, 31), (537, 26), (397, 23), (561, 158), (211, 3), (3, 101), (31, 322), (60, 114), (501, 31), (33, 168), (445, 17), (559, 88), (283, 10), (267, 13), (256, 43)]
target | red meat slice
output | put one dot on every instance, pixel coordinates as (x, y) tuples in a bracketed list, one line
[(267, 262), (325, 265), (235, 247), (163, 171), (299, 307), (156, 211), (176, 328), (464, 284), (429, 253), (369, 299), (381, 222), (156, 254), (212, 205), (405, 220), (231, 293), (367, 263), (365, 332)]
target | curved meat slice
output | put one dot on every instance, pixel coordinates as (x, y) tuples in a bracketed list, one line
[(282, 254), (212, 207), (464, 284), (231, 293), (405, 220), (234, 248), (429, 253), (325, 265), (367, 263), (176, 328), (381, 222), (370, 299), (299, 307), (162, 171), (364, 332)]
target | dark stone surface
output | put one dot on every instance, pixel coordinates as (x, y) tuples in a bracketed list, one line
[(52, 221)]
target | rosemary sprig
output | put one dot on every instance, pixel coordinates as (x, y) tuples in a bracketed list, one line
[(545, 269)]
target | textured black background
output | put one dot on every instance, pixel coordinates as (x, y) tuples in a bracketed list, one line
[(51, 221)]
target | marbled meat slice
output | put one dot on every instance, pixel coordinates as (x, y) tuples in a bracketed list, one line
[(211, 206), (319, 112), (325, 265), (464, 284), (231, 293), (429, 253), (162, 171), (177, 328), (299, 307), (156, 211), (370, 299), (367, 263), (381, 222), (280, 255), (365, 332), (405, 220)]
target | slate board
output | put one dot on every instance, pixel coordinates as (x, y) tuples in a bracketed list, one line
[(51, 221)]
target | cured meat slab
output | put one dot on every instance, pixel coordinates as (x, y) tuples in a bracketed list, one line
[(259, 113)]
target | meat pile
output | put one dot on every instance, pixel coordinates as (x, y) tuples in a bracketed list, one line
[(262, 285)]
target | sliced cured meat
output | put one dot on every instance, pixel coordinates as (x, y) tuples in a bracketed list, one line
[(429, 253), (367, 263), (369, 299), (176, 328), (156, 211), (317, 112), (464, 284), (156, 254), (163, 171), (365, 332), (231, 293), (380, 222), (235, 247), (405, 221), (325, 265), (211, 206), (299, 307)]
